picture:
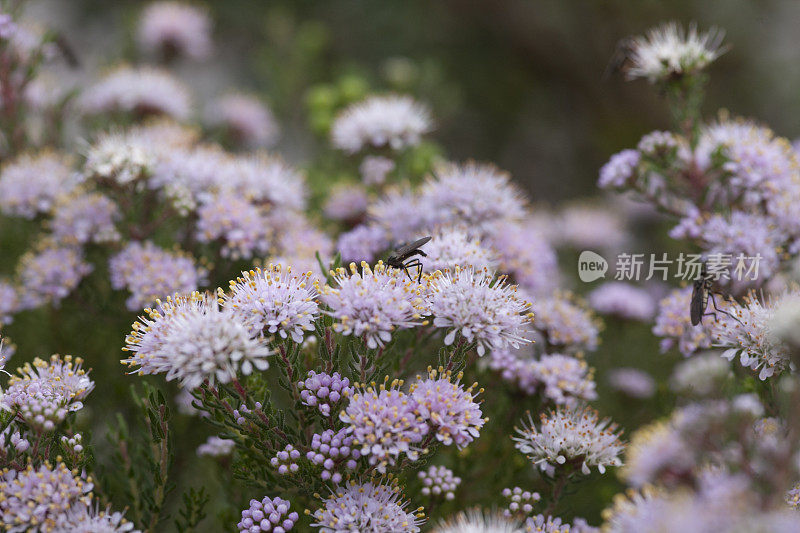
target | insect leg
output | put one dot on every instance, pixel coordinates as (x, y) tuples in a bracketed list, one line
[(714, 303), (415, 263)]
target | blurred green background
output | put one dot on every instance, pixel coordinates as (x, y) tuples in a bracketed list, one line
[(516, 82)]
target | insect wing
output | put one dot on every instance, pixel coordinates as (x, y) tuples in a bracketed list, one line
[(410, 247), (698, 303)]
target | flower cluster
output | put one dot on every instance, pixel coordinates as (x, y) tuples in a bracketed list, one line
[(149, 272), (192, 339), (39, 497), (139, 91), (275, 301), (244, 118), (392, 121), (333, 451), (384, 423), (479, 307), (172, 28), (439, 481), (368, 506), (268, 515), (449, 408), (372, 303), (45, 391), (285, 459), (574, 437), (667, 51), (566, 323), (322, 390), (31, 183), (521, 501), (746, 333), (50, 274), (84, 218)]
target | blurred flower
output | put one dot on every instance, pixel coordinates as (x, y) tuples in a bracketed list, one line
[(517, 497), (517, 367), (667, 52), (35, 499), (620, 169), (392, 121), (49, 275), (236, 222), (367, 506), (448, 407), (346, 202), (30, 184), (673, 322), (439, 481), (9, 302), (149, 272), (584, 227), (90, 519), (216, 447), (174, 28), (455, 247), (784, 324), (372, 304), (742, 234), (265, 178), (142, 91), (632, 382), (121, 157), (131, 155), (566, 323), (362, 243), (477, 521), (658, 453), (575, 436), (384, 423), (245, 118), (551, 524), (480, 307), (701, 375), (195, 344), (401, 213), (793, 497), (758, 167), (623, 300), (564, 380), (473, 194), (525, 254), (746, 332), (187, 174), (84, 218), (374, 169), (268, 515)]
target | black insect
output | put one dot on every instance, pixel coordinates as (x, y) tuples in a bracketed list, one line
[(701, 291), (621, 58), (399, 258)]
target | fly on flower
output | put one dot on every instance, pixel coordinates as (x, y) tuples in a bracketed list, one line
[(399, 257), (701, 290)]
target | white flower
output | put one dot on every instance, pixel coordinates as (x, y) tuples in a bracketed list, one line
[(394, 121), (571, 436), (480, 307), (668, 51)]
